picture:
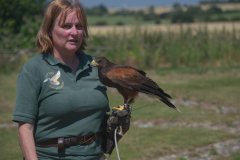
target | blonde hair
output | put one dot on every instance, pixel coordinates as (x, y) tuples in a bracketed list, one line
[(44, 43)]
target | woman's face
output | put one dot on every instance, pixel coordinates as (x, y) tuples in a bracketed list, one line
[(68, 36)]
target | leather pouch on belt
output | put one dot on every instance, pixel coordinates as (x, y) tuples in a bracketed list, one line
[(60, 146)]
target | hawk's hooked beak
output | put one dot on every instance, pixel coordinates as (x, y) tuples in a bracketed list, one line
[(94, 64)]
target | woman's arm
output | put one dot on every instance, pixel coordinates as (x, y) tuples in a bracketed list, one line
[(26, 140)]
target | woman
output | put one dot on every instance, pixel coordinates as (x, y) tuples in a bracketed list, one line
[(58, 94)]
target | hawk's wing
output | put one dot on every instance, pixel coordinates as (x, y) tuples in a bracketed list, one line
[(132, 79)]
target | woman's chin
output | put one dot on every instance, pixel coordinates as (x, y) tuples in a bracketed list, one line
[(72, 49)]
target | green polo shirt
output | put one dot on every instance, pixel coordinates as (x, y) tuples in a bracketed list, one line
[(61, 103)]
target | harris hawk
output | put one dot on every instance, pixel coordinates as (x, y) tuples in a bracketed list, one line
[(129, 81)]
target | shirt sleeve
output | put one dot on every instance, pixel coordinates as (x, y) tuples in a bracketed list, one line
[(26, 107)]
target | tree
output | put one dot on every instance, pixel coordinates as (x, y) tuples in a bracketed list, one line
[(214, 10), (97, 10), (176, 5), (151, 10), (182, 17), (12, 14), (195, 10)]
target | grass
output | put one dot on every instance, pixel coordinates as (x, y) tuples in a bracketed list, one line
[(138, 143), (219, 88), (195, 49), (215, 88), (212, 88), (192, 46), (8, 84), (159, 112), (228, 16), (9, 148), (182, 158)]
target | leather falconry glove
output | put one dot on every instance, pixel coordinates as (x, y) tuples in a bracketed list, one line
[(119, 119)]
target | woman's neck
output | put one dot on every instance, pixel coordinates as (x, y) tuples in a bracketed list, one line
[(70, 59)]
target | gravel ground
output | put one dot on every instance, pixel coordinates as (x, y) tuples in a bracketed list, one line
[(8, 125), (210, 152), (234, 128)]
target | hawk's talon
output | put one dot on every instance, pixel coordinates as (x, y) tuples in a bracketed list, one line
[(119, 108)]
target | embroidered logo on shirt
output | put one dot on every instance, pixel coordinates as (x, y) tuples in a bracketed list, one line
[(54, 83)]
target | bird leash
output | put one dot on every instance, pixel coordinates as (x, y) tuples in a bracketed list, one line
[(115, 139), (119, 131), (118, 123)]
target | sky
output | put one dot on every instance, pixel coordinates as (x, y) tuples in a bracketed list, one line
[(135, 3)]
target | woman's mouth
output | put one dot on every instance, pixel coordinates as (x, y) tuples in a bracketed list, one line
[(73, 41)]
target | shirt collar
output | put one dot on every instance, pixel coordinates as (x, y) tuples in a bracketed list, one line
[(50, 59), (84, 61)]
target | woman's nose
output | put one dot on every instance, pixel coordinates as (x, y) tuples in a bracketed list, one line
[(74, 31)]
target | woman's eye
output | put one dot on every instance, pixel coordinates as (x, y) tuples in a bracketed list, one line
[(66, 26), (79, 26)]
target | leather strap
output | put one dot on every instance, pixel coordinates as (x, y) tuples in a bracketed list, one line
[(60, 143)]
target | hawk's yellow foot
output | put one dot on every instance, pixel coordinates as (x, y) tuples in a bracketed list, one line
[(119, 108)]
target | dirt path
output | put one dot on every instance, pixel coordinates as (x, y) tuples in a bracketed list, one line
[(234, 128), (218, 109), (8, 125)]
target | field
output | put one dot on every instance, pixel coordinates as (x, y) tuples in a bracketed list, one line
[(210, 115), (211, 27), (198, 64), (227, 15)]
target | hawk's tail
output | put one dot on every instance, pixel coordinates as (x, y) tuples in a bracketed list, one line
[(170, 105)]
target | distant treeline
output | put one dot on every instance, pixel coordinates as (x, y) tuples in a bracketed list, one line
[(218, 1), (179, 15), (196, 13)]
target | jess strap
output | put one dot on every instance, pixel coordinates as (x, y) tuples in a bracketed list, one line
[(61, 143)]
